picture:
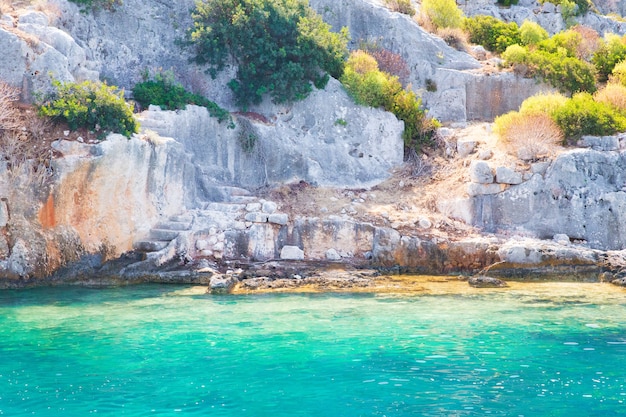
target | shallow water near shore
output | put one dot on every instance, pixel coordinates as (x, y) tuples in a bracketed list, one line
[(548, 349)]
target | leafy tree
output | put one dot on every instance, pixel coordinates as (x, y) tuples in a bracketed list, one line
[(93, 105), (280, 47)]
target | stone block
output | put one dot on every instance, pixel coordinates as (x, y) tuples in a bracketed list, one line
[(332, 255), (4, 213), (475, 189), (505, 175), (256, 217), (465, 147), (269, 207), (278, 218), (600, 143), (253, 207), (480, 172), (292, 253)]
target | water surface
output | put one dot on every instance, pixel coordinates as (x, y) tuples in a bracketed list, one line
[(533, 350)]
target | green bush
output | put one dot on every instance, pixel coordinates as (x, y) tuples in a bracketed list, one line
[(281, 47), (582, 115), (612, 51), (371, 87), (442, 13), (566, 43), (92, 105), (618, 75), (532, 33), (493, 34), (559, 70), (547, 103), (164, 92), (507, 2)]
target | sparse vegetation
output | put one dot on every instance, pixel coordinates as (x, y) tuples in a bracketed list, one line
[(614, 95), (98, 4), (391, 63), (370, 86), (439, 14), (401, 6), (281, 48), (92, 105), (455, 37), (162, 90), (529, 136)]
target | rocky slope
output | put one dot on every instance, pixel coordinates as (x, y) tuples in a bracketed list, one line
[(321, 185)]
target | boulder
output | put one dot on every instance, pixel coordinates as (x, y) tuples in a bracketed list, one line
[(292, 253), (505, 175), (482, 281), (222, 284), (480, 172)]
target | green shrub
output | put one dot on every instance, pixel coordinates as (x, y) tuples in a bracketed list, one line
[(442, 13), (164, 92), (493, 34), (582, 115), (92, 105), (612, 51), (507, 2), (559, 70), (401, 6), (618, 75), (371, 87), (564, 43), (532, 33), (547, 103), (281, 47)]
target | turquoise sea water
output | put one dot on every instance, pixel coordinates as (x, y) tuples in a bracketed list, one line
[(165, 351)]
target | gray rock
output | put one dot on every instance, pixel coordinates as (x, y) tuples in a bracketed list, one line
[(256, 217), (4, 213), (424, 223), (539, 167), (332, 255), (474, 189), (292, 253), (505, 175), (603, 143), (465, 147), (480, 172), (269, 207), (485, 154), (278, 218), (482, 281), (561, 239), (253, 207), (222, 284), (620, 282)]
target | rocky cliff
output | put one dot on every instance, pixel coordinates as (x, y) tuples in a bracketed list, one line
[(189, 195)]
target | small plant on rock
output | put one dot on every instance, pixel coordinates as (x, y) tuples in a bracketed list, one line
[(494, 34), (92, 105), (401, 6)]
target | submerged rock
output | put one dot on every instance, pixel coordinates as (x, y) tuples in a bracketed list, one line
[(222, 284), (482, 281)]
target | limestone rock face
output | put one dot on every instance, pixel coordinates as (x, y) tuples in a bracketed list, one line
[(34, 53), (324, 140), (582, 195)]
